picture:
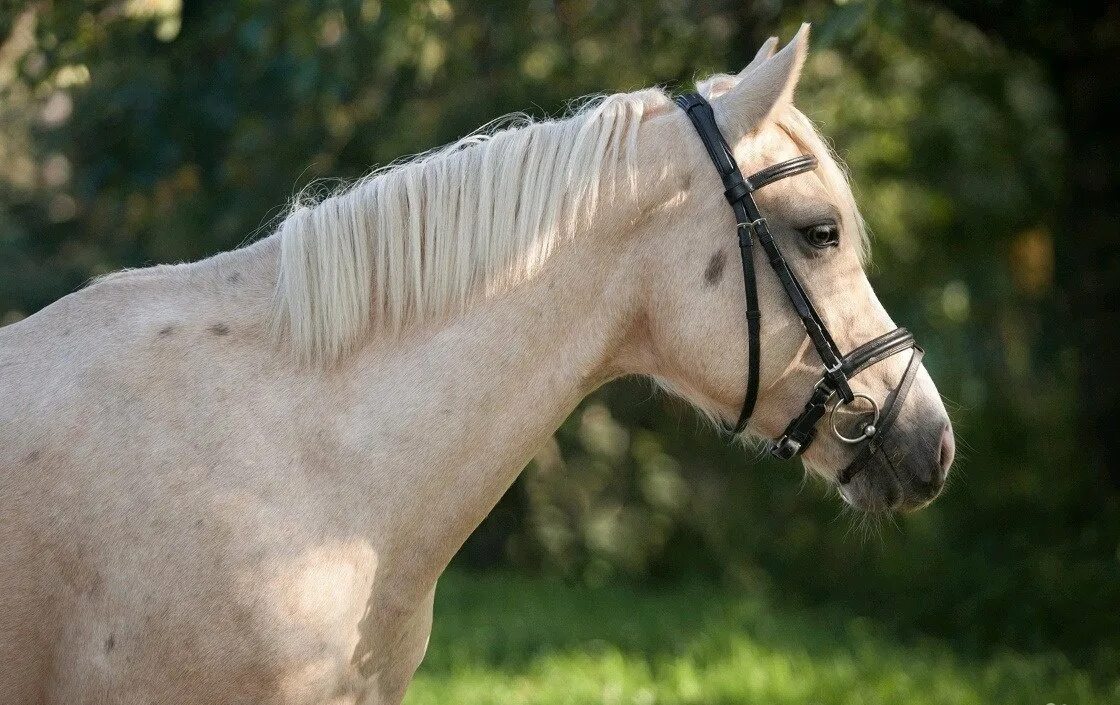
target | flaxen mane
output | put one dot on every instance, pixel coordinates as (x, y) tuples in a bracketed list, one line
[(420, 239)]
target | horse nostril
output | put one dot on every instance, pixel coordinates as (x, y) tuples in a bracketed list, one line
[(947, 451)]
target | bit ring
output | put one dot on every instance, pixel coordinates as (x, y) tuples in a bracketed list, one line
[(868, 430)]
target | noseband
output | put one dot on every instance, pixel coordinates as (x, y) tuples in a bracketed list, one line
[(838, 368)]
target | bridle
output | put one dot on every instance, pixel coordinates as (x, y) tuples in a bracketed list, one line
[(838, 368)]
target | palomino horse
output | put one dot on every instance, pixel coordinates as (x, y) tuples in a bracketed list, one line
[(238, 480)]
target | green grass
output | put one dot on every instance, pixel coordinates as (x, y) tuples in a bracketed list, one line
[(502, 638)]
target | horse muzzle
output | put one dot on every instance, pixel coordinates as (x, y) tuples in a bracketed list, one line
[(901, 470)]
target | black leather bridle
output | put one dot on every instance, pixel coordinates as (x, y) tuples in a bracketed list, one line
[(838, 368)]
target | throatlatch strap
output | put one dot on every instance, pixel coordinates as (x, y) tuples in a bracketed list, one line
[(736, 190)]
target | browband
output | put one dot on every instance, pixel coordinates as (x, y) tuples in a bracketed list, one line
[(792, 167)]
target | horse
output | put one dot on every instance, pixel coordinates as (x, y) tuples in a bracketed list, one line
[(238, 480)]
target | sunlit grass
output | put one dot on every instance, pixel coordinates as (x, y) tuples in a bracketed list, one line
[(509, 639)]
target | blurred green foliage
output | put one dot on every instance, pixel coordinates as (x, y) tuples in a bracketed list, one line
[(143, 131), (699, 644)]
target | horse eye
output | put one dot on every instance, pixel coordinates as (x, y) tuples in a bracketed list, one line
[(822, 235)]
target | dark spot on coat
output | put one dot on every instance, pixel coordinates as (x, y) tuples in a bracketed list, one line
[(219, 329), (234, 278), (166, 331), (110, 643), (32, 457), (714, 271)]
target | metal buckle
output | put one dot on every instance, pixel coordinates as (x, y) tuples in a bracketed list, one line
[(839, 381), (753, 225), (868, 430)]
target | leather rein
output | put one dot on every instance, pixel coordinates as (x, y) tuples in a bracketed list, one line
[(838, 368)]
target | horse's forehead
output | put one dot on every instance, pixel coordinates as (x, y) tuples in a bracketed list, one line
[(767, 146), (775, 145)]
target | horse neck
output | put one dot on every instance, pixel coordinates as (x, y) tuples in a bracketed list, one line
[(450, 414)]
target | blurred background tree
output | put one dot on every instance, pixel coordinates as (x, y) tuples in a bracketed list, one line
[(979, 140)]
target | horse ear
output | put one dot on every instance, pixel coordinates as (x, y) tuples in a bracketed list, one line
[(720, 83), (763, 90), (764, 53)]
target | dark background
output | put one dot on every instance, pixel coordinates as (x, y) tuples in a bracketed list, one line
[(982, 142)]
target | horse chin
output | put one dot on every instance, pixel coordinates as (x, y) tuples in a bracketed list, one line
[(870, 493), (876, 488)]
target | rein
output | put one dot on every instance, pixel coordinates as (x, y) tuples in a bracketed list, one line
[(838, 368)]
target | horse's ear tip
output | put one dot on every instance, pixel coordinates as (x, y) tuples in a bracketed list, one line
[(799, 44)]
